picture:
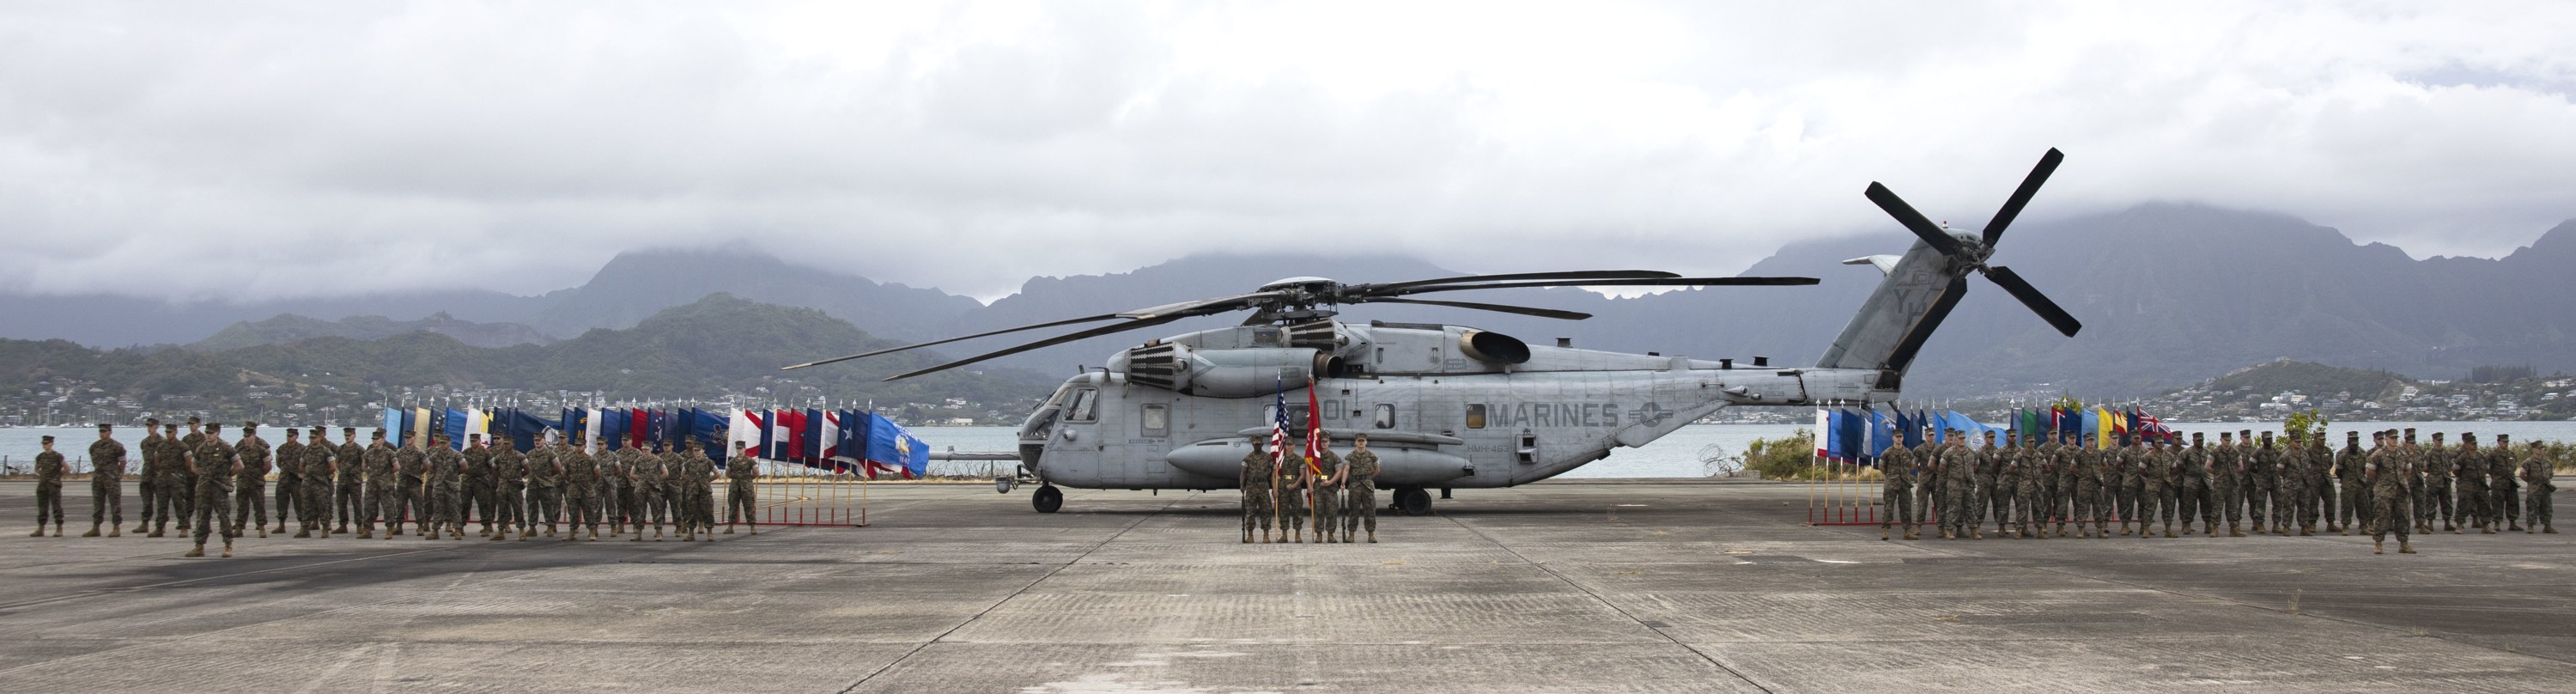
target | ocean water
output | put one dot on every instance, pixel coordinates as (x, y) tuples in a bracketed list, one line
[(1680, 454)]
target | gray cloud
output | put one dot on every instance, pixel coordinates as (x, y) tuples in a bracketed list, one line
[(233, 151)]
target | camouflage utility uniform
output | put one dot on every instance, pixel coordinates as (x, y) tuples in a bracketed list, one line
[(1256, 493)]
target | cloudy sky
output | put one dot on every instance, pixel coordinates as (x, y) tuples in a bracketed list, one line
[(242, 150)]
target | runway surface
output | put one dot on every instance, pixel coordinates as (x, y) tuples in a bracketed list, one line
[(1554, 587)]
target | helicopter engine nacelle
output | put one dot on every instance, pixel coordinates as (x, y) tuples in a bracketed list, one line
[(1226, 373)]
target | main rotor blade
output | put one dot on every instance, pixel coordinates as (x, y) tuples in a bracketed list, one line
[(1523, 310), (1914, 221), (1199, 307), (1569, 275), (2038, 303), (1049, 342), (1658, 282), (2021, 196), (891, 350)]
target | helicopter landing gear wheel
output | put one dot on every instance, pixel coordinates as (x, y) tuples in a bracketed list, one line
[(1047, 499), (1413, 501)]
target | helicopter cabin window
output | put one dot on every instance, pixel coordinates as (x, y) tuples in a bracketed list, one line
[(1297, 417), (1083, 401), (1386, 416), (1155, 421), (1476, 416)]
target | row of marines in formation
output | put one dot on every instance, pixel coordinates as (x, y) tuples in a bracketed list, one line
[(2392, 486), (222, 486), (1342, 491)]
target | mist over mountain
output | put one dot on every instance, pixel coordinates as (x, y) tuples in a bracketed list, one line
[(2169, 294), (289, 327)]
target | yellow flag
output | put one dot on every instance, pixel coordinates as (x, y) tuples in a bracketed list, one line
[(2101, 428)]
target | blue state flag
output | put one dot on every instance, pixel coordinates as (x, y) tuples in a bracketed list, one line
[(1882, 433)]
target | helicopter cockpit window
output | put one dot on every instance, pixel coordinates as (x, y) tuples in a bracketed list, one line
[(1154, 421), (1386, 416), (1476, 416), (1083, 402)]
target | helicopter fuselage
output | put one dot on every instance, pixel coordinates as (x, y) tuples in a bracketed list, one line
[(1443, 406)]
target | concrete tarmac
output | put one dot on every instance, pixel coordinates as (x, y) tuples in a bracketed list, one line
[(1554, 587)]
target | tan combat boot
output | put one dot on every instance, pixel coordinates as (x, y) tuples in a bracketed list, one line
[(156, 532), (2233, 532), (228, 549), (1372, 535), (2378, 546), (197, 551), (142, 527), (594, 534), (119, 530), (753, 529), (303, 532), (2169, 533), (2404, 547), (1882, 533), (366, 532), (93, 531)]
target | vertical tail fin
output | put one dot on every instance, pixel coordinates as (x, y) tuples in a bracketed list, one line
[(1918, 292)]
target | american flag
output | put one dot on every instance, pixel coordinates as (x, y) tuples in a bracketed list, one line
[(1279, 428)]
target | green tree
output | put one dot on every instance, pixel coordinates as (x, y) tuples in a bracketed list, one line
[(2303, 425)]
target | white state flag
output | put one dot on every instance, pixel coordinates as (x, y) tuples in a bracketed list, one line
[(1824, 432)]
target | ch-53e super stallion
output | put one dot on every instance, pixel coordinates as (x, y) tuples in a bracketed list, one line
[(1446, 406)]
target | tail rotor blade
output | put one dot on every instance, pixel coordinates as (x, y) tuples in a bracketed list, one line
[(2038, 303), (1914, 221), (2021, 196)]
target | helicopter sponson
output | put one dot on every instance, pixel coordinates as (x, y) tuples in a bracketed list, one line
[(1448, 406)]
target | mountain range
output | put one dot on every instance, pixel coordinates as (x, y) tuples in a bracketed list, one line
[(2169, 293)]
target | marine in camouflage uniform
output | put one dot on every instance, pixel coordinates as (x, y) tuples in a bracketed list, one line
[(178, 493), (2004, 462), (1328, 496), (648, 485), (2043, 455), (2501, 487), (443, 490), (1292, 496), (1360, 483), (313, 512), (1961, 500), (2191, 485), (2354, 491), (349, 498), (2537, 486), (509, 489), (1928, 485), (581, 492), (2030, 491), (2091, 503), (2293, 486), (545, 485), (2061, 454), (2441, 463), (2387, 472), (1255, 480), (411, 469), (2157, 489), (50, 469), (250, 509), (147, 477), (187, 489), (2419, 462), (742, 494), (106, 484), (2272, 507), (215, 466), (614, 485), (474, 500), (384, 489), (1987, 460), (700, 472), (2133, 484), (2469, 481), (1895, 489), (2321, 496), (290, 476)]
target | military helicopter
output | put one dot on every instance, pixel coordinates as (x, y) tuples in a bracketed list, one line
[(1447, 406)]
